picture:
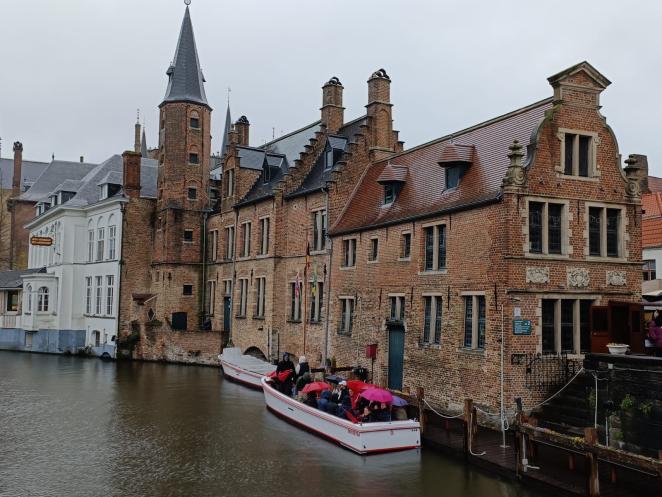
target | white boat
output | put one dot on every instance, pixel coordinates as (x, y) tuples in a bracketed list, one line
[(245, 369), (362, 438)]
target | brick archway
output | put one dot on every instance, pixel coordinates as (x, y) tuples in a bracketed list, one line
[(255, 352)]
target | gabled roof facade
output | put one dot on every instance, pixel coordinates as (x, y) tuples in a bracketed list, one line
[(424, 193)]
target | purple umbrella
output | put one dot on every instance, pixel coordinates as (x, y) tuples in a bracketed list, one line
[(377, 395), (399, 401)]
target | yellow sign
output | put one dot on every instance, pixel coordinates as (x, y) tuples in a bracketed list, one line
[(42, 241)]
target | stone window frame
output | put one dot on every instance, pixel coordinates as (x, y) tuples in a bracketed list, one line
[(401, 256), (295, 311), (595, 298), (246, 238), (260, 297), (435, 244), (373, 250), (623, 236), (243, 297), (98, 294), (320, 227), (43, 299), (229, 182), (264, 240), (184, 237), (211, 297), (110, 294), (212, 254), (194, 115), (89, 292), (593, 167), (437, 302), (187, 290), (346, 326), (351, 261), (399, 298), (474, 321), (566, 229), (227, 287), (192, 190), (193, 153), (230, 241), (316, 301)]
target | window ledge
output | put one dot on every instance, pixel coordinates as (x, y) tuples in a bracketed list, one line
[(472, 352), (434, 272), (428, 345), (404, 259), (244, 258), (294, 321), (318, 252), (259, 318), (347, 268), (532, 255), (591, 179), (240, 317), (374, 261), (599, 258), (315, 321), (186, 242), (262, 256), (344, 334)]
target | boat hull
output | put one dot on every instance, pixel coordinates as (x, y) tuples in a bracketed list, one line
[(247, 378), (362, 438)]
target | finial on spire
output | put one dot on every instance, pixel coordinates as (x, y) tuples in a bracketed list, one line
[(187, 2), (229, 90)]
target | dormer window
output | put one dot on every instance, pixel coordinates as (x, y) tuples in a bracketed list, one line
[(456, 160), (393, 178), (66, 196), (578, 153), (333, 151), (53, 200)]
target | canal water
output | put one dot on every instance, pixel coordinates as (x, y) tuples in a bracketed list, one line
[(74, 427)]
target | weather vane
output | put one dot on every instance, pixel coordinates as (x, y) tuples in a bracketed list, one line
[(187, 2)]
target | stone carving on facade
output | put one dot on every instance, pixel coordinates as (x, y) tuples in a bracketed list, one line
[(578, 277), (633, 177), (515, 175), (616, 278), (537, 275)]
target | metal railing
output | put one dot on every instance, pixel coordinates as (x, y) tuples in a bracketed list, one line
[(547, 371)]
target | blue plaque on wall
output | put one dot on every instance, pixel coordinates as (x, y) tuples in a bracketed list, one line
[(521, 326)]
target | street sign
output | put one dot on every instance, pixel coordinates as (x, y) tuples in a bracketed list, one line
[(521, 326), (42, 241)]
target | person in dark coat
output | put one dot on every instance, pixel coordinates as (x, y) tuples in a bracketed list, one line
[(286, 365), (655, 332), (303, 380), (303, 367)]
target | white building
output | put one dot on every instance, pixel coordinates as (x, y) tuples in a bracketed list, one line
[(73, 303)]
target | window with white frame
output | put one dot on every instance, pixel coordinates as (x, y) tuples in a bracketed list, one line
[(243, 296), (112, 236), (229, 239), (346, 323), (246, 239), (474, 322), (649, 270), (264, 236), (432, 319), (90, 245), (110, 292), (100, 243), (42, 299), (397, 313), (604, 232), (98, 283), (88, 295), (319, 230), (349, 252), (227, 287), (28, 291), (295, 301), (578, 154), (546, 228), (565, 325), (260, 289), (316, 301), (435, 247)]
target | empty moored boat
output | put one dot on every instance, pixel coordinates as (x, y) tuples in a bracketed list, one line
[(245, 369), (362, 438)]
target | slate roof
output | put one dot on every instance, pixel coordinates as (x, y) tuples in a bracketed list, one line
[(424, 192), (651, 225), (53, 175), (185, 79), (291, 144), (11, 280), (30, 170)]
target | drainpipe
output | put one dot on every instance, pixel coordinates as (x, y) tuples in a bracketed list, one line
[(234, 263), (328, 282)]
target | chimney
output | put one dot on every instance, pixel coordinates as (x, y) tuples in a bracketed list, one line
[(131, 173), (241, 127), (82, 159), (18, 163), (380, 111), (136, 137), (333, 113), (642, 164)]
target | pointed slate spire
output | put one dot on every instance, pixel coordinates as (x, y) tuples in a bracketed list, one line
[(226, 131), (143, 145), (185, 79)]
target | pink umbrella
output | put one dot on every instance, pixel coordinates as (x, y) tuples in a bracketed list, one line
[(377, 395)]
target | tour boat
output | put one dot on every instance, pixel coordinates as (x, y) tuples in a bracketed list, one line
[(244, 369), (362, 438)]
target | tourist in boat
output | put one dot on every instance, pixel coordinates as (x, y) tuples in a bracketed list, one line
[(310, 399), (655, 332), (342, 399), (287, 383), (303, 367), (324, 400), (303, 380)]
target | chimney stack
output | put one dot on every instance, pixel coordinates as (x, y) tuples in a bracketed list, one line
[(380, 111), (18, 164), (131, 173), (82, 159), (136, 137), (333, 113), (642, 164), (241, 127)]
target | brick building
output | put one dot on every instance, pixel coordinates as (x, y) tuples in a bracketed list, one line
[(527, 216)]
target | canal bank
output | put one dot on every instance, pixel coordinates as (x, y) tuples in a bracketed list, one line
[(86, 428)]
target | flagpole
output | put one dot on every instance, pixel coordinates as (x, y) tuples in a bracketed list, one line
[(305, 293)]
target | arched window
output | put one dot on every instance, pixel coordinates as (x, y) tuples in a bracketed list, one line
[(90, 241), (112, 236), (28, 298), (42, 299), (101, 239), (194, 120)]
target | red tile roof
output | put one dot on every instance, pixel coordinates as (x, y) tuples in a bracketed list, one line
[(393, 172), (654, 184), (454, 153), (424, 193), (652, 204), (651, 226)]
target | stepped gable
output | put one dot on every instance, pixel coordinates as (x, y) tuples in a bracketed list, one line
[(316, 179), (280, 155), (424, 193)]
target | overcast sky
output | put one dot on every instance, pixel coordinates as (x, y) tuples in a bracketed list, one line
[(73, 72)]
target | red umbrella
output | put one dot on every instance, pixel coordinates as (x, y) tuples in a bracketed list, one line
[(272, 374), (358, 385), (377, 395), (316, 386), (284, 375)]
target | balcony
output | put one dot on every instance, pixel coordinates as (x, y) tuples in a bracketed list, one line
[(10, 321)]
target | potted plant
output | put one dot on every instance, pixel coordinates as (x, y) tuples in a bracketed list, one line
[(618, 348)]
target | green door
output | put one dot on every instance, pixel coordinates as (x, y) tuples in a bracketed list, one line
[(396, 355)]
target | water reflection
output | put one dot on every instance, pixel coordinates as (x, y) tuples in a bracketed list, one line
[(73, 427)]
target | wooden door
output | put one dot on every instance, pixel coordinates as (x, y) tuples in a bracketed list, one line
[(396, 354), (637, 332), (599, 324)]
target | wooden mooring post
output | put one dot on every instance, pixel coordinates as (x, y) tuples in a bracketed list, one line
[(420, 396), (592, 473), (467, 426)]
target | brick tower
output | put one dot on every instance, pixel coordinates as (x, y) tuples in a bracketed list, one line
[(183, 181)]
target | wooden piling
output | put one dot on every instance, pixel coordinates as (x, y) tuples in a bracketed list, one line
[(592, 473), (420, 396), (466, 425)]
